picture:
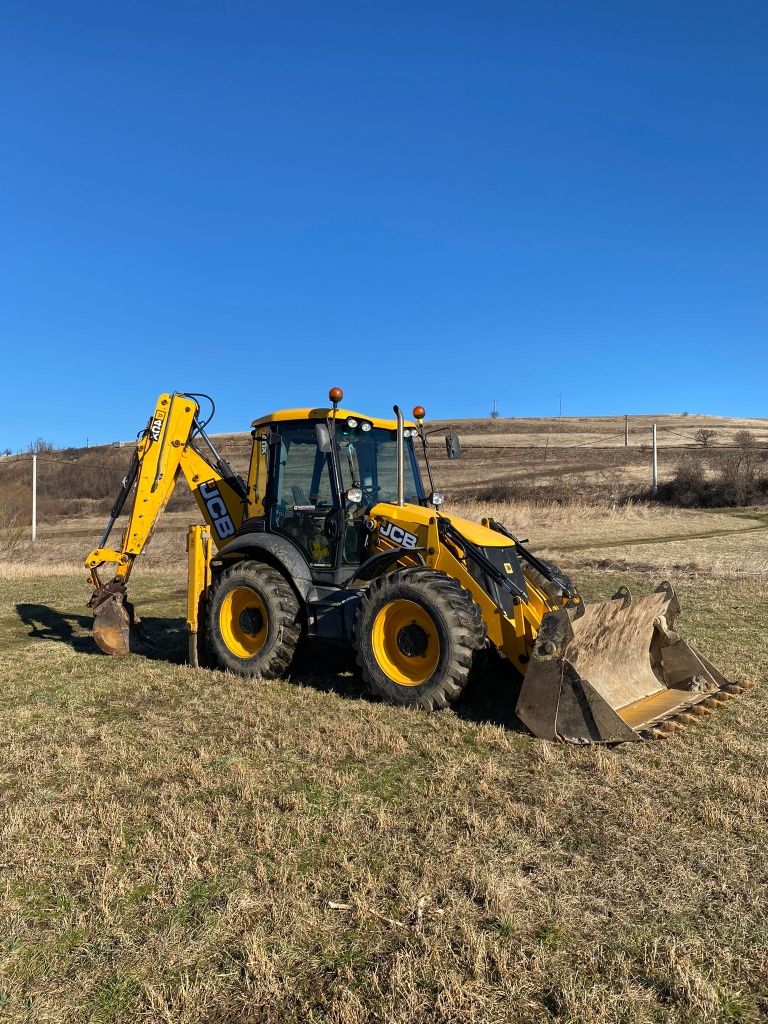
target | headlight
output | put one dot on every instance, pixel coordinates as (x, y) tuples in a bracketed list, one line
[(365, 427), (355, 495), (437, 499), (351, 422)]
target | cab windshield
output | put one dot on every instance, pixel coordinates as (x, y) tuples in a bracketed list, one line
[(368, 460)]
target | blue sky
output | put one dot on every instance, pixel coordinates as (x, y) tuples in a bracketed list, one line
[(425, 202)]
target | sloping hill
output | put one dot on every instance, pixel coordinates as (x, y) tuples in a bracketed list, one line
[(573, 457)]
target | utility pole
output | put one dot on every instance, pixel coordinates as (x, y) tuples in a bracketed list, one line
[(560, 414), (34, 498), (655, 484), (626, 431)]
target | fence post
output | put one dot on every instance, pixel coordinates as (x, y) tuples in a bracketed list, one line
[(655, 484), (34, 498)]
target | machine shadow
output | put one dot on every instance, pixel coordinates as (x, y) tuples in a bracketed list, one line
[(46, 623), (489, 697), (166, 638), (329, 668)]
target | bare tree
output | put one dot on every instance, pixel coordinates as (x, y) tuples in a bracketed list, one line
[(705, 437), (40, 445), (744, 439)]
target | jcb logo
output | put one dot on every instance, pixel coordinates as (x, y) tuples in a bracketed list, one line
[(398, 535), (155, 427), (217, 510)]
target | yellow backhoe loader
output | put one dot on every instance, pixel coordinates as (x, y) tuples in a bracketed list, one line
[(334, 536)]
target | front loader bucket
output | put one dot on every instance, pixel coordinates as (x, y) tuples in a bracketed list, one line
[(617, 670), (116, 626)]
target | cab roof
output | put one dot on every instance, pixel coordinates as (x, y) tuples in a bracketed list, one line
[(284, 415)]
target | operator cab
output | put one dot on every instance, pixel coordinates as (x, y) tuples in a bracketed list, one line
[(325, 470)]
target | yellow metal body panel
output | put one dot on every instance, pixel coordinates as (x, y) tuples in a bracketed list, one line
[(284, 415), (513, 636), (417, 516)]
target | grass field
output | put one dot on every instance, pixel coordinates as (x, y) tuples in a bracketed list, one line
[(184, 846)]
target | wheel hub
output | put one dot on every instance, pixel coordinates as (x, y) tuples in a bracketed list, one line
[(251, 621), (412, 641), (243, 621), (405, 642)]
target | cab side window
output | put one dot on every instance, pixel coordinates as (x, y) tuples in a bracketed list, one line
[(303, 494)]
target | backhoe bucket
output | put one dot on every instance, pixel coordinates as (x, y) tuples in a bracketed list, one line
[(617, 670), (116, 626)]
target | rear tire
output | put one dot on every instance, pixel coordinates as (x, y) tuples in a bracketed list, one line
[(416, 634), (253, 621)]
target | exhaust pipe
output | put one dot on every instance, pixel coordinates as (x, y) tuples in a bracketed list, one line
[(400, 456)]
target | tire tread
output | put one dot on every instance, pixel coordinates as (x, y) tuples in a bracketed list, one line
[(465, 623)]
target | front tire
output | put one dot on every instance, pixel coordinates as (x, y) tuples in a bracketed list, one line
[(253, 621), (416, 634)]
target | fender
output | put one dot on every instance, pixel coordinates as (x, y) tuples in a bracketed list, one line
[(378, 564), (279, 551)]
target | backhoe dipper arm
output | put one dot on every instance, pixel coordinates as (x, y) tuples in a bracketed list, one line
[(164, 450)]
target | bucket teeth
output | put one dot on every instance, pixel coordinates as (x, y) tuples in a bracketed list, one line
[(689, 715)]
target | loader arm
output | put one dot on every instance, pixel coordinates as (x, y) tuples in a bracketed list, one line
[(165, 450)]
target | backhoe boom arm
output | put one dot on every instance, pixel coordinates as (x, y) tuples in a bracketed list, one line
[(164, 450)]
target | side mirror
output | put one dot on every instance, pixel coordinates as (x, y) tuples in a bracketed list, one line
[(323, 436), (453, 446)]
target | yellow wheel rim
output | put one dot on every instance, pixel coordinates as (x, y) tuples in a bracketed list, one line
[(405, 643), (243, 622)]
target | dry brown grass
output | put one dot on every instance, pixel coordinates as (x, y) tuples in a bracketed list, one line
[(186, 847), (189, 847), (719, 544), (609, 430)]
